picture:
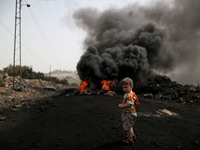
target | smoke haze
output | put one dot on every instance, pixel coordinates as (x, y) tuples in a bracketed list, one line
[(138, 40)]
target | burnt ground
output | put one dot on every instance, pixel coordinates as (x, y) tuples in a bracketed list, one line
[(93, 122)]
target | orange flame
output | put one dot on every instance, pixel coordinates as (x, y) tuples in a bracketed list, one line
[(83, 86), (106, 85)]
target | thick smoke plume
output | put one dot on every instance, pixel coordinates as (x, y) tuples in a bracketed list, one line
[(137, 40)]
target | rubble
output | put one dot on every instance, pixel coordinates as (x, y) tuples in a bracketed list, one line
[(148, 95), (31, 90), (50, 88), (2, 118), (155, 87), (162, 112), (162, 88)]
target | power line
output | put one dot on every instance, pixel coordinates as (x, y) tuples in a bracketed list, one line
[(26, 48), (49, 15), (34, 19), (6, 27)]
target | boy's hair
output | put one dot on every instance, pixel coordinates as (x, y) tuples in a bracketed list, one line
[(127, 81)]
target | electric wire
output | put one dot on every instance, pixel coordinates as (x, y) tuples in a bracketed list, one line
[(42, 34), (51, 15), (36, 22), (26, 48), (6, 27)]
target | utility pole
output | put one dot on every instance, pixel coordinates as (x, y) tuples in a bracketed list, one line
[(49, 72), (17, 41)]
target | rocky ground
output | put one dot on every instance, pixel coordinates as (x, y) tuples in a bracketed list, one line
[(31, 91), (162, 88)]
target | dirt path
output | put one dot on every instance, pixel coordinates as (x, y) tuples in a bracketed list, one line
[(93, 122)]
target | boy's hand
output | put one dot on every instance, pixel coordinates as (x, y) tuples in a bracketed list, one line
[(120, 106)]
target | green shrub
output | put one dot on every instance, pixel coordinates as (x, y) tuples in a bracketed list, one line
[(28, 73)]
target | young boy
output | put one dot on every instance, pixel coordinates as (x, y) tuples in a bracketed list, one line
[(129, 114)]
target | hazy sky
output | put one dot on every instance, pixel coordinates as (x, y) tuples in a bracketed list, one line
[(49, 33), (51, 37)]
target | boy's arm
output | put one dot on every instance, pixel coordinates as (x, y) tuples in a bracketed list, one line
[(136, 102), (124, 106)]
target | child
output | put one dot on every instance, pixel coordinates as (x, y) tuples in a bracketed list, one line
[(129, 114)]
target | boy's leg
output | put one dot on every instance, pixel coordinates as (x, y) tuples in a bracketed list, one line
[(133, 134), (130, 135), (128, 122), (129, 139)]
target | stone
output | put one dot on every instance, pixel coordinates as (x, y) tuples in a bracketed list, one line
[(148, 95), (50, 88), (2, 90), (2, 118)]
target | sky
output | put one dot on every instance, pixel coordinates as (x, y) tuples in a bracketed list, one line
[(50, 38)]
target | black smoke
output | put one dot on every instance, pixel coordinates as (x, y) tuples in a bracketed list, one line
[(138, 40)]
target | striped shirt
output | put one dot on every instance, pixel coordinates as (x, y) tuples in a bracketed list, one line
[(130, 98)]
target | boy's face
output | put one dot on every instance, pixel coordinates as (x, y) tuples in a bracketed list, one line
[(127, 88)]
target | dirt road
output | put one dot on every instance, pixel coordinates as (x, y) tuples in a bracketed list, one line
[(93, 123)]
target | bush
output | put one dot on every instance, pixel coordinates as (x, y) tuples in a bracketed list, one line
[(28, 73)]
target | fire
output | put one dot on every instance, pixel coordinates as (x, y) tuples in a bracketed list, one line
[(106, 86), (83, 86)]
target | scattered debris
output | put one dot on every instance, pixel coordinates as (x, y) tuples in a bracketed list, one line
[(149, 95), (159, 113), (162, 88), (165, 112), (50, 88), (2, 118), (32, 89)]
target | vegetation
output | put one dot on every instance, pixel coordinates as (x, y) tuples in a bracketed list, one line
[(28, 73), (60, 71)]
